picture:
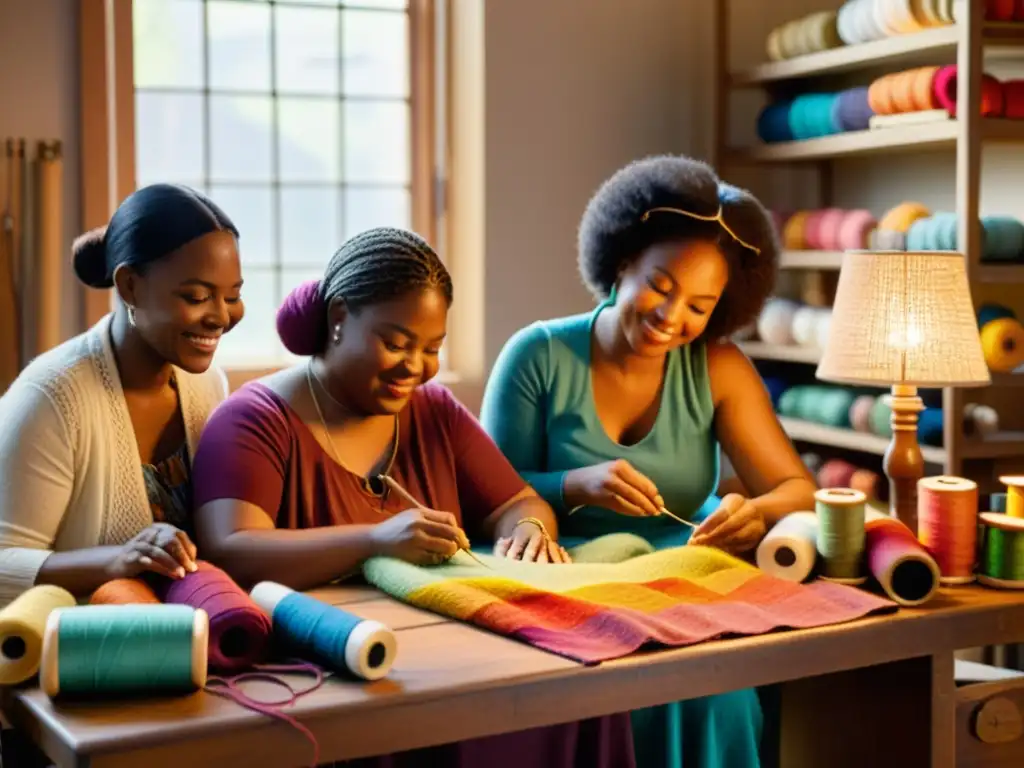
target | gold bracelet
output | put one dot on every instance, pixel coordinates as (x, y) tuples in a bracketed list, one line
[(534, 521)]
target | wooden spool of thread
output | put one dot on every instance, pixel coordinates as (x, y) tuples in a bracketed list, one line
[(101, 650), (1002, 551), (840, 540), (124, 592), (239, 630), (22, 627), (325, 634), (947, 525), (1014, 495), (789, 551), (899, 563)]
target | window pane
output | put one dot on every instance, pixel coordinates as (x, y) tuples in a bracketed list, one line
[(240, 135), (239, 37), (377, 141), (168, 137), (367, 207), (252, 210), (308, 143), (254, 341), (374, 3), (376, 47), (310, 2), (306, 50), (309, 225), (168, 43)]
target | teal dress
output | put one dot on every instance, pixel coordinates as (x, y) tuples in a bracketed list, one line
[(539, 409)]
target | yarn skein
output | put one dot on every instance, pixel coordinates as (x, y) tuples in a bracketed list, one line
[(96, 650), (840, 541), (124, 592), (899, 563), (947, 525), (239, 630), (325, 634), (789, 550), (22, 628), (1002, 551)]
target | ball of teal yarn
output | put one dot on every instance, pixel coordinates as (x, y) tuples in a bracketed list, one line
[(989, 312), (1003, 238), (789, 402), (946, 233), (929, 426), (917, 235), (834, 408), (879, 419)]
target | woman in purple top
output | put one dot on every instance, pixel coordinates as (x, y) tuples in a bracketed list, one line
[(285, 479)]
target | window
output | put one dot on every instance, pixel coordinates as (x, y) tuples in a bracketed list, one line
[(301, 118)]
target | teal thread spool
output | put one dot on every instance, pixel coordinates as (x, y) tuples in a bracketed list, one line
[(325, 634), (840, 539), (1002, 551), (102, 650)]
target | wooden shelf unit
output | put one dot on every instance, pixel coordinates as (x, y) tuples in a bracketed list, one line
[(965, 43)]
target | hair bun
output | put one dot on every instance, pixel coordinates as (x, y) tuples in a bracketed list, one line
[(89, 258), (302, 320)]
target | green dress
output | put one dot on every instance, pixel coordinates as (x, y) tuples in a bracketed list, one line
[(539, 409)]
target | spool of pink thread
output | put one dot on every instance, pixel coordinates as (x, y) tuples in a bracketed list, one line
[(239, 630)]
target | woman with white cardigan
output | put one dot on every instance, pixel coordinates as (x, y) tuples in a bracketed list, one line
[(97, 435)]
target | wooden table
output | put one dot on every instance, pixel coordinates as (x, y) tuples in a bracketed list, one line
[(876, 692)]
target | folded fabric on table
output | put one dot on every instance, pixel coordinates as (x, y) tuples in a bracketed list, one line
[(597, 611)]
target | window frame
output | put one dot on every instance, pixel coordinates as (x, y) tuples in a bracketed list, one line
[(108, 129)]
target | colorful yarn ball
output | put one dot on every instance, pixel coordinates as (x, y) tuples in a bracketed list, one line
[(775, 324), (860, 413)]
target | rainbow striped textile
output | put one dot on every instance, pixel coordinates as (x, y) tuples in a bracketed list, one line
[(635, 597)]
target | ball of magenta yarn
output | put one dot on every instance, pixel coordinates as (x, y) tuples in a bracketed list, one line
[(239, 630), (302, 320)]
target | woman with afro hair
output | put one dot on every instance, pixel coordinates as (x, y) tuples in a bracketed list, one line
[(618, 413)]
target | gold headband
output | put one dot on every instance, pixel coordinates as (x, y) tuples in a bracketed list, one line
[(717, 217)]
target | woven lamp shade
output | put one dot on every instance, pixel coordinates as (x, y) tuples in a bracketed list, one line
[(904, 318)]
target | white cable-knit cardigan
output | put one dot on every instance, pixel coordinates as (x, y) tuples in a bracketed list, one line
[(70, 471)]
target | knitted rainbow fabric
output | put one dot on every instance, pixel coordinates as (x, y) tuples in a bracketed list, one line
[(596, 611)]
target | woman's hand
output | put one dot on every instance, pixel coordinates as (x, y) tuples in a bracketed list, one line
[(419, 536), (735, 527), (614, 485), (159, 548), (531, 543)]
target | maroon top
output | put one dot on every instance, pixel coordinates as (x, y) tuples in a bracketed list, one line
[(257, 449)]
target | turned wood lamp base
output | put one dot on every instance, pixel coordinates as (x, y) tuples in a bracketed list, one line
[(903, 462)]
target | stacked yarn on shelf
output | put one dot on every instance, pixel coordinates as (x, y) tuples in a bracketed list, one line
[(923, 89), (825, 229), (789, 323)]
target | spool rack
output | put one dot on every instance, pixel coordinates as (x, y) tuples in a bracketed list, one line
[(965, 42)]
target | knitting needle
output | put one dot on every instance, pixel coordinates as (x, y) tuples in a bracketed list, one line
[(394, 485), (664, 511)]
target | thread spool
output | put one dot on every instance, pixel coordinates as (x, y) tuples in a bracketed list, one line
[(860, 413), (789, 550), (989, 312), (776, 321), (1002, 344), (840, 540), (239, 630), (997, 503), (902, 567), (124, 592), (947, 525), (325, 634), (22, 627), (98, 650), (1002, 551), (1014, 495)]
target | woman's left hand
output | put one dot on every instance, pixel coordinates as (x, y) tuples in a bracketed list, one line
[(530, 543), (736, 526)]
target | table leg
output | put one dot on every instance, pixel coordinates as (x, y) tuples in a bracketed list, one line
[(887, 716)]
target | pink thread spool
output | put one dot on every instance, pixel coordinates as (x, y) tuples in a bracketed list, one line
[(239, 630)]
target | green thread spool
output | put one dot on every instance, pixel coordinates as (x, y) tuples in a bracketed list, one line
[(1002, 551), (100, 650), (841, 536)]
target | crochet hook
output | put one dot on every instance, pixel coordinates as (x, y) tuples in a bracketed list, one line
[(397, 488), (676, 517)]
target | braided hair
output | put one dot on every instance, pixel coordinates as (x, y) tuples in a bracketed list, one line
[(374, 266)]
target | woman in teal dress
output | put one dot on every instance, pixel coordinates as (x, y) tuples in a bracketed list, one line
[(615, 414)]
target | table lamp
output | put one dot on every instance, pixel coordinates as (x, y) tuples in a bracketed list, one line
[(904, 319)]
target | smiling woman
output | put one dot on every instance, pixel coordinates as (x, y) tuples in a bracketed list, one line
[(97, 435)]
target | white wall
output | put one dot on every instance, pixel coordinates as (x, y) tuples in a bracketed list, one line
[(39, 100)]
